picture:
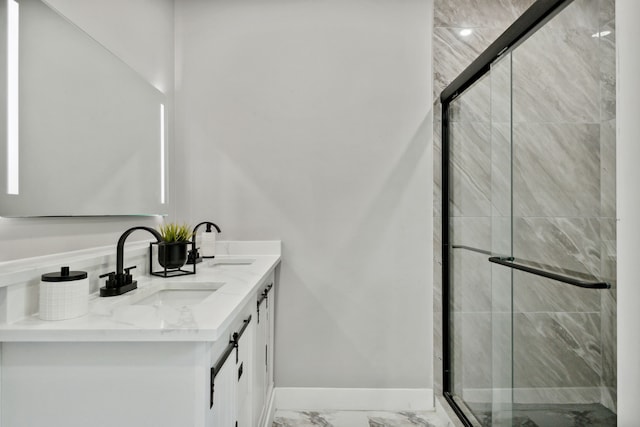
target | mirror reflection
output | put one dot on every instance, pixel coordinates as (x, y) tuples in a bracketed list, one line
[(89, 136)]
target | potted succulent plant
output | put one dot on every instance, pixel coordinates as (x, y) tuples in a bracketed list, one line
[(172, 252)]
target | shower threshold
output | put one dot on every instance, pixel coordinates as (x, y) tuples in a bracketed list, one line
[(551, 415)]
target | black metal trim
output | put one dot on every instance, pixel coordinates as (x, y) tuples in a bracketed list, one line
[(233, 344), (245, 325), (509, 262), (534, 17), (539, 13), (264, 295), (222, 359), (446, 315), (212, 385), (459, 412), (218, 367)]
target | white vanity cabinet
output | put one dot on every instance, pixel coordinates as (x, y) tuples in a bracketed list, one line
[(164, 384), (242, 376), (206, 367)]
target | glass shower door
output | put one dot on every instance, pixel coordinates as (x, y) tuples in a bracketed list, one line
[(564, 219), (480, 303), (502, 242), (530, 282)]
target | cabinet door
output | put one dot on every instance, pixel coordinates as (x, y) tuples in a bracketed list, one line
[(243, 377), (224, 396), (271, 302), (259, 365)]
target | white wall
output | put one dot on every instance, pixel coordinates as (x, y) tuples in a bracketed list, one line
[(628, 177), (141, 33), (308, 121)]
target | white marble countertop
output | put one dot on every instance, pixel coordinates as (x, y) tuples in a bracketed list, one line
[(116, 319)]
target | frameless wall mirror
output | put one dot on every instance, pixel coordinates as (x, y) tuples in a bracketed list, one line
[(85, 133)]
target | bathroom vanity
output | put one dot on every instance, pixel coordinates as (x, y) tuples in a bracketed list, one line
[(194, 350)]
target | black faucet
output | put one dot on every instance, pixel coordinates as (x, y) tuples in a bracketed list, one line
[(121, 281), (194, 256)]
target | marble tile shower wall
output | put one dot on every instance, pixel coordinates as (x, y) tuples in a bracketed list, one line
[(563, 135), (564, 204)]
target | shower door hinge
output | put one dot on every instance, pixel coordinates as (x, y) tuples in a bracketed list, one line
[(506, 48)]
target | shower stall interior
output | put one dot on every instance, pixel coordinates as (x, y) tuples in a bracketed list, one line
[(529, 228)]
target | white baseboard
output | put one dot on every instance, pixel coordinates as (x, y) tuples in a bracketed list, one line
[(344, 399)]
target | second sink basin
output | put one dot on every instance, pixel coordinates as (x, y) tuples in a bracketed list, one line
[(217, 262)]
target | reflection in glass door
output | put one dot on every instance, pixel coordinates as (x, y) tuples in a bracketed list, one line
[(480, 303), (563, 81)]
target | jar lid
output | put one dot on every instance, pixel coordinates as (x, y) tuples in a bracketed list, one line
[(64, 275)]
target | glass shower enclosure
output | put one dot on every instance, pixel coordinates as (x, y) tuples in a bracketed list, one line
[(529, 257)]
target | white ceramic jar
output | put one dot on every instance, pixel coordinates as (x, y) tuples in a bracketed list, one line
[(64, 294)]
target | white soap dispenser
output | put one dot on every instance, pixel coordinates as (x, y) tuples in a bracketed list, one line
[(208, 242), (205, 246)]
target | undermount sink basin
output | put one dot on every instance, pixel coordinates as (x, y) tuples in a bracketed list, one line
[(230, 262), (175, 294)]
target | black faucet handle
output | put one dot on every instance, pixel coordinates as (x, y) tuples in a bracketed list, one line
[(127, 278), (193, 253), (112, 279)]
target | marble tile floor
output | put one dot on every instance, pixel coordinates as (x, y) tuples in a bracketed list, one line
[(552, 415), (359, 419)]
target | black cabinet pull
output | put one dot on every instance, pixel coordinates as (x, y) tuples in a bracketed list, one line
[(264, 295)]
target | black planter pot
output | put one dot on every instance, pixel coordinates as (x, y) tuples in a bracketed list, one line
[(172, 255)]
